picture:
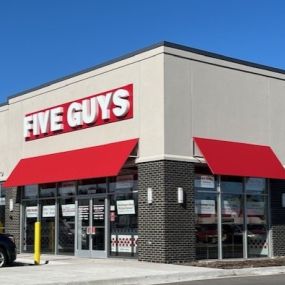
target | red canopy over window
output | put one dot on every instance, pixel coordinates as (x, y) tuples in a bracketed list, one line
[(93, 162), (240, 159)]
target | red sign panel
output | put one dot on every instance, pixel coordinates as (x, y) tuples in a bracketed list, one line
[(106, 107)]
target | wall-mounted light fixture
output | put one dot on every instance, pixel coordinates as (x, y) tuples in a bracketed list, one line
[(11, 205), (149, 195), (180, 195)]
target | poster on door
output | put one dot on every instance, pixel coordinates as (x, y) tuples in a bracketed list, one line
[(98, 212), (83, 213)]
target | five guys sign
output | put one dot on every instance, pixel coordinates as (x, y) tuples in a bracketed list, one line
[(107, 107)]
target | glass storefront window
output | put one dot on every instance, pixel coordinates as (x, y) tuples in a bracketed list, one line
[(231, 184), (126, 181), (66, 226), (257, 234), (48, 190), (243, 218), (30, 216), (56, 205), (255, 185), (232, 225), (48, 213), (30, 192), (92, 186), (83, 224), (98, 221), (124, 224), (66, 189), (206, 225), (204, 182)]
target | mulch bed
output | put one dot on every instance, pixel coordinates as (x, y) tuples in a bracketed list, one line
[(237, 264)]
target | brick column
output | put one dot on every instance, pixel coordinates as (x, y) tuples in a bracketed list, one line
[(277, 217), (166, 228), (12, 219)]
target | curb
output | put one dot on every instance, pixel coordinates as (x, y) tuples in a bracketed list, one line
[(181, 277)]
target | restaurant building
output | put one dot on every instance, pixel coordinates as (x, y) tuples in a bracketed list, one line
[(167, 154)]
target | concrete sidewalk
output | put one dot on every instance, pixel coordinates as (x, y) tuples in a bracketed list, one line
[(72, 270)]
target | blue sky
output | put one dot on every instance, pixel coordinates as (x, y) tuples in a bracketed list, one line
[(42, 40)]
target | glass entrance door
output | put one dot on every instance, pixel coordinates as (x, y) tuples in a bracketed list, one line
[(91, 227)]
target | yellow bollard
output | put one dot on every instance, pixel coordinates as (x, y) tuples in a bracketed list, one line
[(37, 244)]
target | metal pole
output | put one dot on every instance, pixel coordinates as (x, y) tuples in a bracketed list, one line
[(37, 245), (219, 212)]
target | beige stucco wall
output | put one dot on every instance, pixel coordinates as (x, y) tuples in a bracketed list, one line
[(212, 98), (177, 95), (144, 71), (4, 158)]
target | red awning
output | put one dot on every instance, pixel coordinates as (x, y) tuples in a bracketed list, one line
[(93, 162), (240, 159)]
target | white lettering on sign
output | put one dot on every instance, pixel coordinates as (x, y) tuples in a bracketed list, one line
[(107, 107), (48, 211), (126, 207), (32, 212), (74, 118), (68, 210)]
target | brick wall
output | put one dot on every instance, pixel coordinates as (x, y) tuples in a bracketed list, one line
[(277, 217), (166, 228), (12, 219)]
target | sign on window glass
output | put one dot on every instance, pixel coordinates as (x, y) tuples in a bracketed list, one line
[(48, 211), (68, 210), (205, 207), (32, 212), (126, 207), (205, 181)]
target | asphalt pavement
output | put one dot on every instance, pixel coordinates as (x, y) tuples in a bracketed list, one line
[(72, 270)]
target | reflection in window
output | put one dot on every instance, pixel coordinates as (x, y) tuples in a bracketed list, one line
[(205, 182), (206, 225), (244, 203), (257, 236), (66, 233), (66, 189), (48, 190), (92, 186), (232, 225), (124, 212), (30, 192), (230, 184), (124, 224), (30, 215), (255, 185), (48, 212), (126, 181)]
